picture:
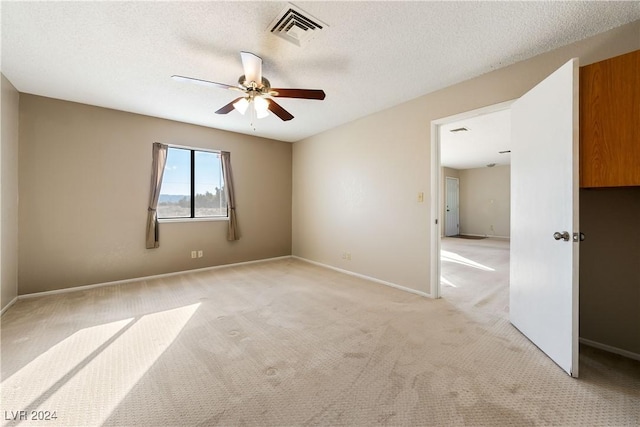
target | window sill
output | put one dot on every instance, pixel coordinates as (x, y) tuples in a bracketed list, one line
[(208, 219)]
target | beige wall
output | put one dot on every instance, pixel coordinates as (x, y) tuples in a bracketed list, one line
[(9, 194), (445, 172), (610, 267), (84, 188), (485, 198), (355, 189), (355, 186)]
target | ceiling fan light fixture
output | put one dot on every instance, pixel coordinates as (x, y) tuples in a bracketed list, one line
[(241, 105), (262, 107), (258, 94)]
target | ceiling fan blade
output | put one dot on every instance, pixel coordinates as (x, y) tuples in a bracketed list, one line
[(229, 107), (204, 82), (252, 65), (276, 109), (299, 93)]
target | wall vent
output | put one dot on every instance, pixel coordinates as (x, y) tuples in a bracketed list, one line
[(296, 26)]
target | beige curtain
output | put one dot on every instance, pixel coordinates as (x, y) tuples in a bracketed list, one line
[(234, 233), (159, 161)]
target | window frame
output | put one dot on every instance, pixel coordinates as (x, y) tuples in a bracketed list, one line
[(192, 185)]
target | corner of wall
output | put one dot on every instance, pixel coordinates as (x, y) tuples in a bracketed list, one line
[(9, 194)]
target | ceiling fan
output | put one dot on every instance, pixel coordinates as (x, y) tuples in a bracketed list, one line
[(257, 91)]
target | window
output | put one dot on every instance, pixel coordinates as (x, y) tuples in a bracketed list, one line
[(192, 185)]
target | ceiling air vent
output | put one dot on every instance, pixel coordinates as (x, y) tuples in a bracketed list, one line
[(459, 130), (296, 26)]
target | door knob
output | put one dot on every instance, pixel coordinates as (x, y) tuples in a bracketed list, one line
[(564, 236)]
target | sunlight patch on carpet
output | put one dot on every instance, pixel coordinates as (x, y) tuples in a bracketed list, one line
[(459, 259), (90, 372), (447, 282)]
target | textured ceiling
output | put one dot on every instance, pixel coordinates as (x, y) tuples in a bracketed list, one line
[(373, 55), (480, 145)]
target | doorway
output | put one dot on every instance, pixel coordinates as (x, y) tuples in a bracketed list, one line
[(470, 157), (544, 177)]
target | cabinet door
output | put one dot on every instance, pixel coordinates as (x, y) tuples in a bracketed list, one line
[(610, 122)]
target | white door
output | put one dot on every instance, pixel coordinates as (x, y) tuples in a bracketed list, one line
[(452, 211), (544, 200)]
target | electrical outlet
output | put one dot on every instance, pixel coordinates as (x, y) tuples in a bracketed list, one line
[(491, 227), (194, 254), (200, 253), (420, 197)]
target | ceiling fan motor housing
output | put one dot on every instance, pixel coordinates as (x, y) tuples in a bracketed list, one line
[(264, 87)]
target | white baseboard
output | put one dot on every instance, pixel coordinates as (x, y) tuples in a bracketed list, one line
[(13, 301), (158, 276), (610, 349), (139, 279), (362, 276)]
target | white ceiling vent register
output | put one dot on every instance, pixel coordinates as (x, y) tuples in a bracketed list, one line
[(296, 26)]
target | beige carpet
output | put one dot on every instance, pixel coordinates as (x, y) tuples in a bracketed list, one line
[(289, 343)]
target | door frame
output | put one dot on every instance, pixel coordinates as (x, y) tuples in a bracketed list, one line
[(436, 183), (446, 197)]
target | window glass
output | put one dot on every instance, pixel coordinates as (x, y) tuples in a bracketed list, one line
[(192, 171), (210, 200), (175, 195)]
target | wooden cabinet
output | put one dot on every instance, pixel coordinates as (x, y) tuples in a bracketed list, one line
[(610, 122)]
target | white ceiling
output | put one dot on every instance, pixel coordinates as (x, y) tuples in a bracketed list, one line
[(373, 55), (487, 135)]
